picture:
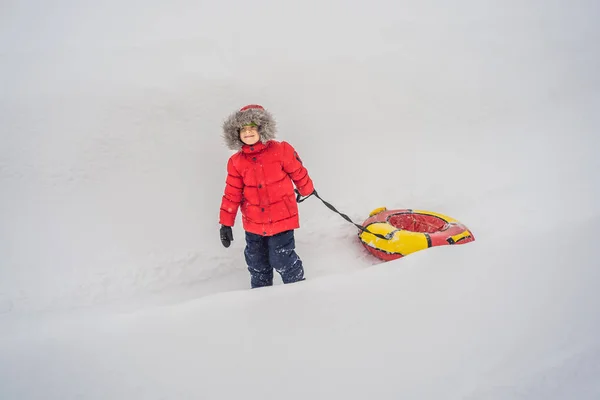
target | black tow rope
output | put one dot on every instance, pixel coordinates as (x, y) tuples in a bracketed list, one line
[(300, 199)]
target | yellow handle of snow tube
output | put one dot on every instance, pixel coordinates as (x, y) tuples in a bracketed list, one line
[(456, 238), (377, 211)]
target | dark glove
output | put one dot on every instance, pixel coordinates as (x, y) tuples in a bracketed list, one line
[(300, 199), (226, 235)]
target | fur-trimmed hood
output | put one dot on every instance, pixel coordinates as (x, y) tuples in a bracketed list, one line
[(250, 113)]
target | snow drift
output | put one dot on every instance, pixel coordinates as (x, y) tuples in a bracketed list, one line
[(113, 282)]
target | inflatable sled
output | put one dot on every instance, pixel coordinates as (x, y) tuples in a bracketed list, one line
[(408, 231)]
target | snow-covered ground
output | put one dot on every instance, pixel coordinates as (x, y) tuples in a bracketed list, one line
[(113, 282)]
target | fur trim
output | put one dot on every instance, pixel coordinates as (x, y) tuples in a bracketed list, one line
[(231, 126)]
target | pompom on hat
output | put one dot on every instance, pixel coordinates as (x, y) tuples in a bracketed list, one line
[(252, 114)]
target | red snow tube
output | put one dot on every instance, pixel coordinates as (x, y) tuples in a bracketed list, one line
[(408, 231)]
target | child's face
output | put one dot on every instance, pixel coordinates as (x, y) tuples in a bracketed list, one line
[(249, 135)]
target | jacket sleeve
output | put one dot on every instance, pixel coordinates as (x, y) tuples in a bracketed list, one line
[(292, 164), (232, 198)]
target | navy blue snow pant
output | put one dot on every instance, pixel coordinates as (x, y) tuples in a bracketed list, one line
[(265, 253)]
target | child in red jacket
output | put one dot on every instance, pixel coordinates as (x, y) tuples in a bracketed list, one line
[(259, 181)]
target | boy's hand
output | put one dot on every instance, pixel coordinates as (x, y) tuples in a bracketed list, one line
[(300, 199), (226, 235)]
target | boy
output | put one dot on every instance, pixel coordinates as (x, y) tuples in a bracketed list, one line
[(259, 181)]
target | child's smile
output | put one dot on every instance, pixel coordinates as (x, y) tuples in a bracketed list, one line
[(249, 135)]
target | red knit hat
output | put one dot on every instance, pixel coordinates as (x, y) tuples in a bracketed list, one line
[(252, 106)]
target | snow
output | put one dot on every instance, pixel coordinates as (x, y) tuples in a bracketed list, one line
[(113, 281)]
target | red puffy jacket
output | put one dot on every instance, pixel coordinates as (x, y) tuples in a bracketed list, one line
[(259, 179)]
